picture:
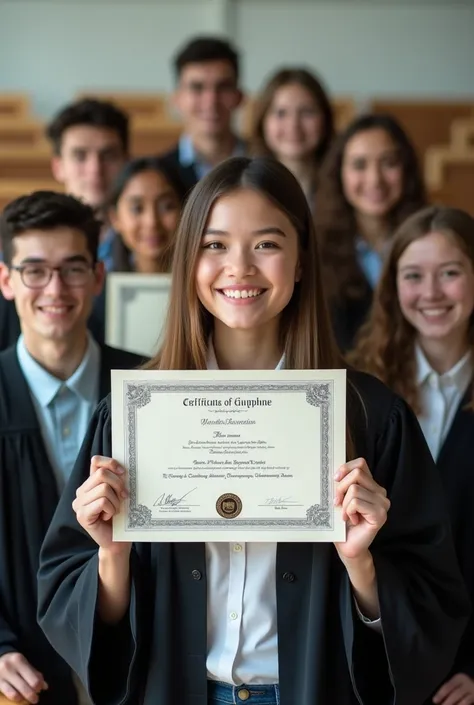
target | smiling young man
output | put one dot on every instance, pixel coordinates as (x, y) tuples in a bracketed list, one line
[(50, 383), (90, 140), (207, 95)]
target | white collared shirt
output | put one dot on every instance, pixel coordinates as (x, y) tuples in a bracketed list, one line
[(242, 634), (440, 397)]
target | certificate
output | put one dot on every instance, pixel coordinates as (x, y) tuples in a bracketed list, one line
[(229, 456), (136, 309)]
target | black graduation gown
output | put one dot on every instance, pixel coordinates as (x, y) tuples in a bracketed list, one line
[(28, 498), (157, 654), (348, 315), (455, 463), (187, 174)]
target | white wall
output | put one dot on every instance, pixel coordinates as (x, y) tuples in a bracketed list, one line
[(54, 48), (365, 48)]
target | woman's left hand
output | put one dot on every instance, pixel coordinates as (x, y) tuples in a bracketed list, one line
[(364, 507)]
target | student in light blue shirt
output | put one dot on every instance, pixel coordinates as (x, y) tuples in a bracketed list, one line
[(207, 95), (50, 383)]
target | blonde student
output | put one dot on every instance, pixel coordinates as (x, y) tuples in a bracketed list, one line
[(419, 341), (376, 619)]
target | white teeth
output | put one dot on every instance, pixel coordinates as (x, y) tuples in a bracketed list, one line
[(241, 293), (54, 309), (434, 312)]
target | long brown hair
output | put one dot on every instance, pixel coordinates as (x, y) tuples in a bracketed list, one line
[(285, 77), (386, 343), (335, 219), (306, 332)]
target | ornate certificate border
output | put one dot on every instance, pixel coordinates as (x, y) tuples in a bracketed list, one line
[(319, 517)]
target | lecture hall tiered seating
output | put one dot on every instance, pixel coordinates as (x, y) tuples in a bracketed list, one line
[(443, 133)]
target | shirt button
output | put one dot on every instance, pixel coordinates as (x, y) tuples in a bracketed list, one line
[(237, 547), (233, 615), (66, 431), (197, 575), (289, 577)]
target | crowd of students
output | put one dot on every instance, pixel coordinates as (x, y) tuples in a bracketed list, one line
[(349, 267)]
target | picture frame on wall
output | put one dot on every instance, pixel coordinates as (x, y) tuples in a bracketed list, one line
[(136, 310)]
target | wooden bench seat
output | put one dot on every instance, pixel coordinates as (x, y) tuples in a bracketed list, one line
[(14, 105), (449, 176), (137, 105), (428, 123), (13, 188), (25, 164), (20, 133)]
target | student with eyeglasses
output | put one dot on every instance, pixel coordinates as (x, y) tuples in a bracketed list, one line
[(50, 383)]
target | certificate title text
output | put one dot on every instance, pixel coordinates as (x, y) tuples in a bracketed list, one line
[(229, 402)]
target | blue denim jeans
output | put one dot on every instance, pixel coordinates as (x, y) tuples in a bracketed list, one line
[(224, 694)]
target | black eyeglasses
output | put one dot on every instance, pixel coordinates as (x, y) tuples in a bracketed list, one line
[(37, 276)]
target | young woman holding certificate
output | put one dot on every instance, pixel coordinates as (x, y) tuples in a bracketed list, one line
[(419, 341), (376, 619)]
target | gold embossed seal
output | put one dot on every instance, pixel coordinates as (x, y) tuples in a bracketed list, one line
[(229, 506)]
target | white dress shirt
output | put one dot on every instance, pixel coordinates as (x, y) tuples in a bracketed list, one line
[(440, 397), (242, 634)]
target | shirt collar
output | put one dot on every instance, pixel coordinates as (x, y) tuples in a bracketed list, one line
[(44, 386), (188, 157), (212, 360), (460, 375)]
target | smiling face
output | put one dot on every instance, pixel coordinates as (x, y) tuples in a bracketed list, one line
[(293, 125), (147, 214), (435, 283), (248, 264), (207, 96), (372, 173), (55, 311)]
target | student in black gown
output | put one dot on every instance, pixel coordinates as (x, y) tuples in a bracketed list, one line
[(369, 183), (380, 615), (50, 383), (419, 340)]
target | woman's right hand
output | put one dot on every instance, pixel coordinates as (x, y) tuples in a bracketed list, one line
[(99, 499)]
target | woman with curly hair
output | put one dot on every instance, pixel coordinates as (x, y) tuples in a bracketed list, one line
[(419, 340), (369, 183), (294, 123)]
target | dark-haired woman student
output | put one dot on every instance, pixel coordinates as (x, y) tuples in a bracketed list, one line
[(419, 340), (144, 208), (376, 619), (370, 182)]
